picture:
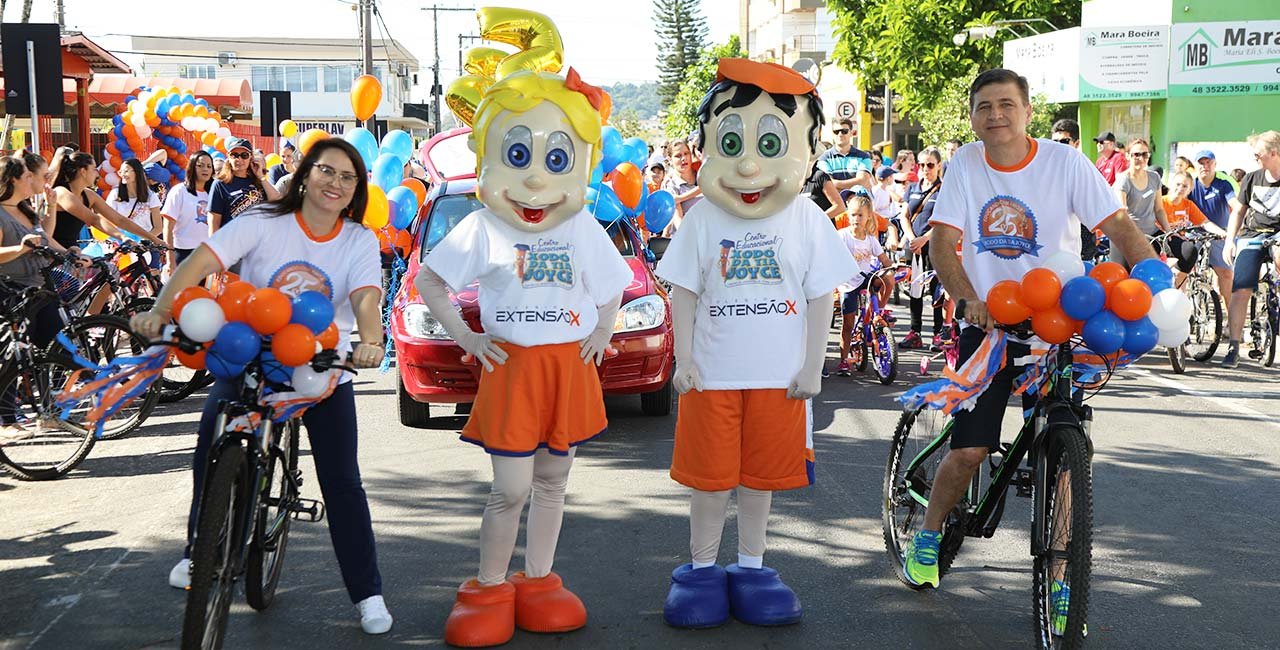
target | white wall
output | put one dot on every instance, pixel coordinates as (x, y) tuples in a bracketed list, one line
[(1126, 13)]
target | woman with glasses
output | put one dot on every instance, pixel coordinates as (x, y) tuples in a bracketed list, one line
[(186, 211), (921, 196), (312, 239), (238, 186), (1138, 189)]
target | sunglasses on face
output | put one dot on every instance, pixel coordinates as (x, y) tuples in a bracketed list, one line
[(928, 165), (840, 131), (1140, 154), (1063, 140), (242, 155)]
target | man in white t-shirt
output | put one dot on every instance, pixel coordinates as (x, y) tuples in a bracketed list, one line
[(1014, 201), (753, 271)]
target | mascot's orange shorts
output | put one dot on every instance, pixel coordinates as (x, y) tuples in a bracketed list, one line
[(756, 438), (543, 396)]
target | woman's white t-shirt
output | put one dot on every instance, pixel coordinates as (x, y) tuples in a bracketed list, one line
[(280, 252), (754, 279), (536, 288), (866, 253), (190, 216), (138, 211)]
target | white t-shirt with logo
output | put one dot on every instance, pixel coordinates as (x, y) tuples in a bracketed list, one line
[(536, 288), (190, 216), (1012, 219), (280, 252), (138, 211), (753, 279), (866, 254)]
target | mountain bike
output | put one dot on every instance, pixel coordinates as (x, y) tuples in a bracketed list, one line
[(1201, 288), (1264, 307), (872, 337), (1054, 441), (250, 495)]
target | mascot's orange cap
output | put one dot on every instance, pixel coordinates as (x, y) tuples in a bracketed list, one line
[(770, 77)]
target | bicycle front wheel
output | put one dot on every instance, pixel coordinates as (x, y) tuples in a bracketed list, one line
[(886, 354), (1062, 571), (265, 559), (103, 338), (918, 447), (1206, 323), (36, 442), (213, 557)]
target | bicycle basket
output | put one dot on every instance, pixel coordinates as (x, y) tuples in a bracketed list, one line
[(65, 281)]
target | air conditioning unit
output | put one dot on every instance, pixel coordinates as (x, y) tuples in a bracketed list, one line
[(402, 69), (182, 71), (226, 58)]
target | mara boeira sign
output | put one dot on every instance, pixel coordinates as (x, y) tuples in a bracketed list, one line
[(1225, 58)]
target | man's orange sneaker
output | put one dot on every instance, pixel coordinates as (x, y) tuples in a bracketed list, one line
[(482, 616), (544, 605)]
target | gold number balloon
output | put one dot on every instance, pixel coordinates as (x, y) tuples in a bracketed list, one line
[(541, 50)]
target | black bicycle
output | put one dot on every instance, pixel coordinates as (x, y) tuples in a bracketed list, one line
[(250, 495), (1263, 325), (1057, 475)]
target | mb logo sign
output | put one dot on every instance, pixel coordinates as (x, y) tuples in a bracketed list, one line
[(1196, 56)]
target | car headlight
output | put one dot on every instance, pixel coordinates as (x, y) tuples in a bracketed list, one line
[(640, 314), (421, 324)]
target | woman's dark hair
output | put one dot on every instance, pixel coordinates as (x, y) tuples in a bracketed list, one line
[(12, 169), (292, 200), (71, 164), (33, 161), (140, 191), (191, 173)]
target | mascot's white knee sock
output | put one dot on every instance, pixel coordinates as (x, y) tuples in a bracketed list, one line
[(753, 520), (706, 524), (512, 479), (546, 511)]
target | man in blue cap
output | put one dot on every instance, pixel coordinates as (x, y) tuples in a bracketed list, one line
[(1216, 198)]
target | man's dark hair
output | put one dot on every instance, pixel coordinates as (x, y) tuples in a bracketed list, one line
[(956, 141), (843, 121), (743, 95), (999, 76), (1067, 126)]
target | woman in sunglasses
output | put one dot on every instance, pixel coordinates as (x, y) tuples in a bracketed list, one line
[(921, 196), (239, 185), (1138, 189)]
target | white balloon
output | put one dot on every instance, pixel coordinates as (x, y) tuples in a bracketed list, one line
[(211, 124), (224, 132), (144, 96), (1175, 336), (144, 131), (137, 107), (308, 382), (111, 179), (1168, 308), (139, 120), (188, 123), (106, 167), (1066, 265), (201, 320)]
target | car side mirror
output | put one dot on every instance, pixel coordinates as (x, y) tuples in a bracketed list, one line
[(658, 246)]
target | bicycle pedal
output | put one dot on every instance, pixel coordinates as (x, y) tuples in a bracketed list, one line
[(297, 477), (307, 510), (1255, 354), (1023, 482)]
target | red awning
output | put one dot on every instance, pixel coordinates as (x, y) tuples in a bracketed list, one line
[(107, 90)]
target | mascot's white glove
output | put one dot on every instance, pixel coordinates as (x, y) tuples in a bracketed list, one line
[(683, 306), (808, 382), (596, 344), (435, 295)]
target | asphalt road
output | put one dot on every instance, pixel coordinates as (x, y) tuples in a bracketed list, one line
[(1186, 519)]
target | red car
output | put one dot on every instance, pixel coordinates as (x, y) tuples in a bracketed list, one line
[(431, 370)]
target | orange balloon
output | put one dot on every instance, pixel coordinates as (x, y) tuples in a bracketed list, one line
[(404, 241), (310, 137), (1053, 325), (366, 93), (329, 337), (268, 310), (377, 212), (1108, 274), (1004, 302), (385, 237), (185, 296), (417, 187), (234, 298), (628, 184), (192, 361), (1041, 289), (293, 345), (1130, 299)]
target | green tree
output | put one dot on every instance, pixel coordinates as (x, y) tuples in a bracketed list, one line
[(910, 43), (641, 98), (948, 118), (682, 113), (682, 32), (627, 122)]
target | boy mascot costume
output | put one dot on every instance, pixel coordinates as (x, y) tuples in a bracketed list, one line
[(550, 283), (753, 270)]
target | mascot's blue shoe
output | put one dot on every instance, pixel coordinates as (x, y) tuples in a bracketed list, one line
[(698, 598), (758, 597)]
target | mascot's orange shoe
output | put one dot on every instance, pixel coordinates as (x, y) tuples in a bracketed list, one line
[(482, 616), (544, 605)]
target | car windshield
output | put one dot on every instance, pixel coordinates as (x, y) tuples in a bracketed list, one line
[(449, 210)]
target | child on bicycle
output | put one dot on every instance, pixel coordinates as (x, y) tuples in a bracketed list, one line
[(874, 272)]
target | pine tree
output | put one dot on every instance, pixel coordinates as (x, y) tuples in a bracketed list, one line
[(681, 30)]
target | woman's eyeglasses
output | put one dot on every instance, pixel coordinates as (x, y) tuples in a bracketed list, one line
[(343, 180), (1140, 154), (242, 155)]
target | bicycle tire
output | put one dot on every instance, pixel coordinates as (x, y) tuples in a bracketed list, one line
[(1202, 297), (48, 377), (212, 561), (1272, 311), (886, 366), (114, 329), (1177, 359), (897, 529), (263, 567), (1067, 449)]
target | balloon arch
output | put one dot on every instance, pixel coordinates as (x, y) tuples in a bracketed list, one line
[(163, 114)]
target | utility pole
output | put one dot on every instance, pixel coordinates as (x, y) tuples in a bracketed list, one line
[(58, 11), (436, 89), (366, 38)]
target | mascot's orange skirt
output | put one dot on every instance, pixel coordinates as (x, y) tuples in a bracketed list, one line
[(543, 396)]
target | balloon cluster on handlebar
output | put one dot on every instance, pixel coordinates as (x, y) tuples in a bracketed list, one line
[(1112, 309), (617, 187)]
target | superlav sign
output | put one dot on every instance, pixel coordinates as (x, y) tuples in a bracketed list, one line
[(1225, 58)]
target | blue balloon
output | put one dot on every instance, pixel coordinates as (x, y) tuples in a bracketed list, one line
[(94, 249), (658, 211), (638, 152), (399, 144), (388, 171), (604, 204), (364, 142), (597, 175), (1082, 297), (313, 310), (221, 368), (1104, 332), (644, 200), (611, 148), (274, 370), (1154, 273), (404, 206), (1140, 336), (237, 343)]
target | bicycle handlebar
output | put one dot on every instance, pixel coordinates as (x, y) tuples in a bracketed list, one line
[(1021, 330), (323, 360)]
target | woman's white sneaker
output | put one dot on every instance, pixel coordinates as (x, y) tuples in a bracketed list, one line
[(180, 576), (374, 617)]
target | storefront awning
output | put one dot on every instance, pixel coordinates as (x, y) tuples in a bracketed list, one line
[(110, 90)]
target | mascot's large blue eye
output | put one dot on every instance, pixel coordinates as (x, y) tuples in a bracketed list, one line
[(517, 147), (518, 156), (559, 152), (557, 160)]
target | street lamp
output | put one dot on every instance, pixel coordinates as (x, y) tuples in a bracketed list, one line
[(983, 32)]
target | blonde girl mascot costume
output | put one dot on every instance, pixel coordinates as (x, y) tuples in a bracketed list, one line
[(550, 283), (753, 269)]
